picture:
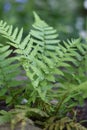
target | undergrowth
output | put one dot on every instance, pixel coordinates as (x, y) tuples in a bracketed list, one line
[(55, 74)]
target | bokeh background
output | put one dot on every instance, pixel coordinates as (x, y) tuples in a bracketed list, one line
[(67, 16)]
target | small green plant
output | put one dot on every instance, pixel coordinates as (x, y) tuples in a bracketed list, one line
[(48, 64)]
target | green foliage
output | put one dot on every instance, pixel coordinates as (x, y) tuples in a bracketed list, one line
[(48, 64), (5, 117), (9, 70), (41, 49)]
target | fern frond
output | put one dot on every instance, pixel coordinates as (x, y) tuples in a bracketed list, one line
[(9, 70), (8, 32), (29, 53), (20, 114), (45, 37), (41, 54), (14, 36), (70, 51), (5, 117), (64, 123)]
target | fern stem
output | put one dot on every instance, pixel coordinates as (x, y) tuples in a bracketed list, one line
[(61, 102)]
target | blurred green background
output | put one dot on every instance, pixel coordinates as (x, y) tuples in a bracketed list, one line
[(67, 16)]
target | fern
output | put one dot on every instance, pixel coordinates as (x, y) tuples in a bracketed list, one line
[(64, 123), (43, 56), (56, 53), (31, 61), (9, 70), (20, 114)]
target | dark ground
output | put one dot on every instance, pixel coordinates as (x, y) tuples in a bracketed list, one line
[(82, 114)]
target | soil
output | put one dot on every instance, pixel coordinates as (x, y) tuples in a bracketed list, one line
[(3, 106), (18, 127), (82, 113)]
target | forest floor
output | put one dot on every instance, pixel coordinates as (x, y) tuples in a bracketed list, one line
[(81, 116)]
